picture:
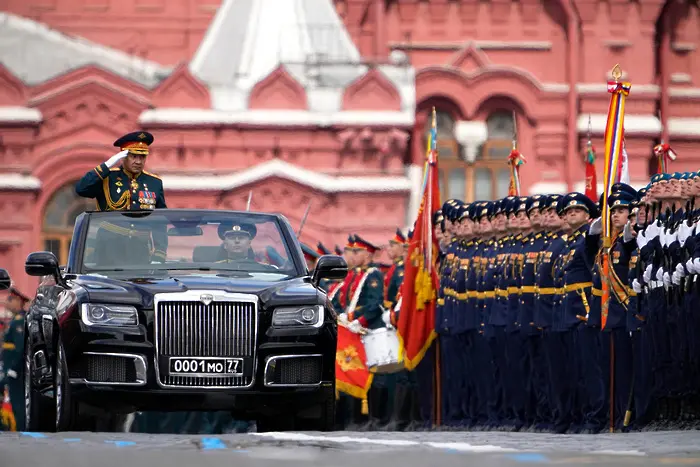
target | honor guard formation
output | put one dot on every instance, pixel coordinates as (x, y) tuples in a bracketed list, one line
[(524, 340)]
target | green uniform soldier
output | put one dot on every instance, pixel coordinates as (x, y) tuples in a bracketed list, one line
[(13, 356), (126, 188)]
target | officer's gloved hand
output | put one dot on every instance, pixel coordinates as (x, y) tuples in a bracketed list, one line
[(627, 233), (652, 231), (690, 266), (116, 158), (642, 239), (596, 227), (343, 317), (680, 269), (660, 274), (676, 278), (355, 327), (684, 231), (647, 274), (636, 286), (666, 278), (386, 317), (12, 374), (696, 265)]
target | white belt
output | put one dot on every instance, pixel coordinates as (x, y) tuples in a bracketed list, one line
[(655, 284)]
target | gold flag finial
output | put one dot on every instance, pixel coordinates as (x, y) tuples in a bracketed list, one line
[(617, 72)]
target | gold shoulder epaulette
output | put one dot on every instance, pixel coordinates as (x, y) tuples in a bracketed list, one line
[(152, 175), (115, 169)]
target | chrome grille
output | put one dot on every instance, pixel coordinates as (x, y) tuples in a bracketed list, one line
[(194, 329)]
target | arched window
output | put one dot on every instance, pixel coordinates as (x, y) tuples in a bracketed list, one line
[(57, 230), (487, 177)]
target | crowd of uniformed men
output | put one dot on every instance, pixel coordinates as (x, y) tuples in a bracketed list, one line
[(523, 338)]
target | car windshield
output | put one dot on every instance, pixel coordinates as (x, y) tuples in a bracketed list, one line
[(155, 243)]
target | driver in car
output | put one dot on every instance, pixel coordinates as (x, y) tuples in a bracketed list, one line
[(236, 247)]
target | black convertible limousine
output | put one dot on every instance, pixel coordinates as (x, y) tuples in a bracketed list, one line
[(231, 320)]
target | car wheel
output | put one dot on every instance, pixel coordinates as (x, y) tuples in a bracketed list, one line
[(37, 409), (67, 415), (325, 421)]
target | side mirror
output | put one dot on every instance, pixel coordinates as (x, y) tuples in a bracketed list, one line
[(42, 263), (5, 282), (329, 267)]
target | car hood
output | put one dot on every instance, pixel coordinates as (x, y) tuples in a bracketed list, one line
[(140, 291)]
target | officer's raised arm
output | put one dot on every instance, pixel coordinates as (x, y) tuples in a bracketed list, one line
[(91, 185)]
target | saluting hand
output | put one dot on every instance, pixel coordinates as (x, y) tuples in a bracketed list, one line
[(117, 157)]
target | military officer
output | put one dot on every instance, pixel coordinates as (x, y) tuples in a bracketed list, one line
[(394, 277), (126, 188), (13, 355)]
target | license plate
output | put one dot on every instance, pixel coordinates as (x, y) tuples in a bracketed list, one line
[(205, 366)]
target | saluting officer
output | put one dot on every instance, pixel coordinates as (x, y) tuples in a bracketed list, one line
[(13, 353), (126, 188)]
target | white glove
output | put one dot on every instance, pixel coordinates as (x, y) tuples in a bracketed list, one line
[(660, 274), (684, 231), (636, 286), (696, 265), (642, 239), (680, 269), (117, 157), (652, 231), (386, 317), (343, 317), (667, 279), (596, 227), (647, 274), (355, 327), (676, 278), (690, 266), (627, 233), (12, 374)]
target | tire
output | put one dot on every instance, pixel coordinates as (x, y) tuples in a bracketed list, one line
[(326, 419), (39, 411), (67, 414)]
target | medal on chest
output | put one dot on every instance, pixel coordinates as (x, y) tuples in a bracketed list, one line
[(134, 185)]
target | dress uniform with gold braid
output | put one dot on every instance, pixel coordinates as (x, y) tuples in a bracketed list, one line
[(12, 377), (117, 189)]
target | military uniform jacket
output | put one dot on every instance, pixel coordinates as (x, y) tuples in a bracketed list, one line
[(546, 290), (13, 346), (533, 246), (577, 281), (487, 284), (517, 258), (636, 315), (370, 298), (443, 313), (393, 281), (502, 275), (117, 189), (472, 314)]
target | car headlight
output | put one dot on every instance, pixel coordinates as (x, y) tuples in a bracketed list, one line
[(94, 314), (298, 316)]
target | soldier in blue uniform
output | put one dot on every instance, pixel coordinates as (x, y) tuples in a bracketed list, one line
[(615, 344), (537, 410), (12, 375), (126, 188), (546, 299)]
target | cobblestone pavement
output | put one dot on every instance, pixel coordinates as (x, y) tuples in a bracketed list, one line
[(348, 449)]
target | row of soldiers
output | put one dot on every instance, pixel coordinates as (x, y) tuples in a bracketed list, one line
[(529, 336), (542, 324)]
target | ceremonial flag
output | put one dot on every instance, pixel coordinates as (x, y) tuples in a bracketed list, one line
[(7, 415), (624, 176), (614, 135), (515, 160), (665, 154), (351, 373), (416, 325), (591, 176)]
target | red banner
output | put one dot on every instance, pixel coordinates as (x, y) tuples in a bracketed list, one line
[(416, 326), (591, 176), (351, 373)]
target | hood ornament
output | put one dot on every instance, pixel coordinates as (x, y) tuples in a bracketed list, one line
[(206, 298)]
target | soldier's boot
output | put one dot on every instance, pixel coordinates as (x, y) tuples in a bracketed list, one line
[(416, 421), (400, 415), (378, 398)]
